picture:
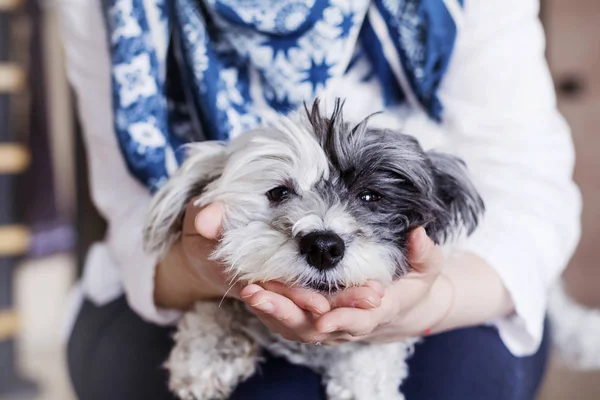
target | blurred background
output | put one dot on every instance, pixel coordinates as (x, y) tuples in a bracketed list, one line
[(47, 221)]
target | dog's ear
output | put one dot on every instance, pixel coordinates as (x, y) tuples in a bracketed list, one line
[(461, 206), (203, 164)]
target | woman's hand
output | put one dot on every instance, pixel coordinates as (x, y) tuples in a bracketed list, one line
[(407, 308), (294, 312), (412, 306), (468, 292), (186, 274)]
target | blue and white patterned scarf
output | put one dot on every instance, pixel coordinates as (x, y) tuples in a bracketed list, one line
[(187, 70)]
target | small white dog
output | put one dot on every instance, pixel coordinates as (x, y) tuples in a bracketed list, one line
[(315, 202)]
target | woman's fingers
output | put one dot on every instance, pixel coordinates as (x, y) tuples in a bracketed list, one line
[(377, 287), (278, 307), (305, 299), (352, 321), (281, 315), (365, 297), (250, 290), (425, 256), (205, 222), (208, 221), (340, 338), (284, 316)]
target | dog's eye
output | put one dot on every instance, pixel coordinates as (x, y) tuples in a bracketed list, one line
[(369, 196), (279, 194)]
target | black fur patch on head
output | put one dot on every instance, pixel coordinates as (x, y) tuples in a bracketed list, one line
[(327, 129), (416, 188)]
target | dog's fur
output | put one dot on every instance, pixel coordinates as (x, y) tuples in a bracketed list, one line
[(369, 186)]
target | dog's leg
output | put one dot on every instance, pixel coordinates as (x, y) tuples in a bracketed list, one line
[(211, 354), (368, 372)]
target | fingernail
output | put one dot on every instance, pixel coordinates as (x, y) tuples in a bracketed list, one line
[(330, 329), (366, 302), (252, 292), (265, 306), (315, 310)]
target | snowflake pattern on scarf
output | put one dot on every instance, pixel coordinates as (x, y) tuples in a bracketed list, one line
[(238, 59)]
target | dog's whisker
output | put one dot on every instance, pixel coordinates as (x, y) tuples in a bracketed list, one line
[(227, 292)]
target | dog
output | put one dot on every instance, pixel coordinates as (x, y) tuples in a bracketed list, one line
[(313, 201)]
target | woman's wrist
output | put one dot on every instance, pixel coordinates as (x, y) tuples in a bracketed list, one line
[(428, 314), (479, 293), (176, 284), (442, 298)]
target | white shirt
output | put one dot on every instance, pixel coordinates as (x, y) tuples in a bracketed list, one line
[(500, 116)]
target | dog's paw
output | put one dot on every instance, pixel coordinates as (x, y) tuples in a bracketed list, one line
[(396, 395), (209, 358), (336, 391), (197, 377), (185, 391)]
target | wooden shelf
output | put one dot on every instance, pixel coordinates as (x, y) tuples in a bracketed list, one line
[(14, 240), (14, 159), (10, 324), (12, 78), (10, 5)]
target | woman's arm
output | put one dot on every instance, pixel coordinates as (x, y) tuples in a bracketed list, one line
[(502, 118), (186, 274), (477, 294), (118, 264)]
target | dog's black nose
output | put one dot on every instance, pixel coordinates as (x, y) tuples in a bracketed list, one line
[(323, 250)]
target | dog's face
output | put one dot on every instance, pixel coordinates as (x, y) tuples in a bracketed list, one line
[(320, 203)]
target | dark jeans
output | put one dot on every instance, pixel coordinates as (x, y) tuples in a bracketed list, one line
[(115, 355)]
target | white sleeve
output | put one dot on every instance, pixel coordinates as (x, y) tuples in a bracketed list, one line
[(118, 196), (500, 110)]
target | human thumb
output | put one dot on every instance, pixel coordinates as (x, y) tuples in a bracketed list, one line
[(209, 220), (425, 256)]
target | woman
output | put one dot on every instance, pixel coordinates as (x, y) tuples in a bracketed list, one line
[(471, 79)]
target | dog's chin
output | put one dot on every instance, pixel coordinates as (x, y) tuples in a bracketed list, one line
[(325, 287)]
